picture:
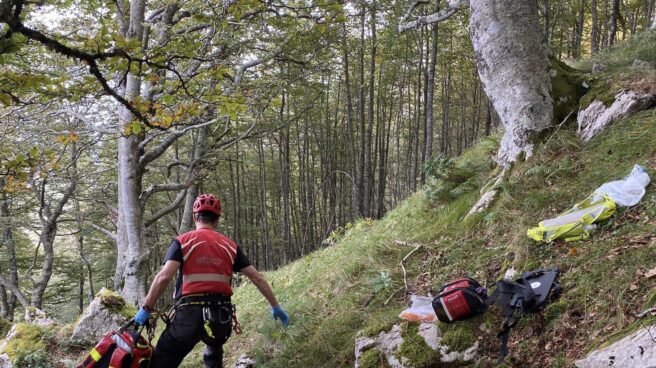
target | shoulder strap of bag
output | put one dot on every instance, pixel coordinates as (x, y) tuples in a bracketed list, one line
[(510, 296), (98, 351)]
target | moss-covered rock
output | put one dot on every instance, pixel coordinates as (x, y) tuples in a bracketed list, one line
[(459, 336), (416, 351), (373, 358), (26, 339), (115, 303), (106, 312)]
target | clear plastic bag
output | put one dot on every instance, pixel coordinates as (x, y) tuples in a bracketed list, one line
[(629, 191), (421, 310)]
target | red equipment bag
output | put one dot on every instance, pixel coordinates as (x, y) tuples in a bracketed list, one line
[(125, 348), (460, 299)]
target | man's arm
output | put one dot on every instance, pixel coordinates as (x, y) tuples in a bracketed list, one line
[(261, 284), (161, 281)]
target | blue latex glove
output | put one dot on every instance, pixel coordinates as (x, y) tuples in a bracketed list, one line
[(142, 317), (279, 313)]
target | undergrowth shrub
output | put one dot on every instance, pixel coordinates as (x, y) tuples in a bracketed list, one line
[(448, 178)]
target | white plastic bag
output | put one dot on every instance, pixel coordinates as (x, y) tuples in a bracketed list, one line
[(629, 191), (421, 310)]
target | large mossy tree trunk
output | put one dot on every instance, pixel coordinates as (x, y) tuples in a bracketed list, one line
[(513, 66)]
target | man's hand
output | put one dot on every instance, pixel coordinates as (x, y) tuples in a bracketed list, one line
[(142, 317), (279, 313)]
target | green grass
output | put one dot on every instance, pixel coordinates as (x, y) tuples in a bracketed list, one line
[(620, 73)]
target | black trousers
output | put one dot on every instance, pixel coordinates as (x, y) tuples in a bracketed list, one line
[(191, 324)]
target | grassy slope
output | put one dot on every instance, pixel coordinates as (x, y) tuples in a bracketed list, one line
[(330, 294)]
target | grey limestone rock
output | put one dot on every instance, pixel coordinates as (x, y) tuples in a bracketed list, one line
[(597, 116), (5, 361), (388, 344), (637, 350), (244, 362), (98, 319)]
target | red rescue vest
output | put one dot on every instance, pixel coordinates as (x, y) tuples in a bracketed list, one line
[(207, 261)]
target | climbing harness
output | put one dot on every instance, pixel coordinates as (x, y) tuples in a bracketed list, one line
[(207, 301)]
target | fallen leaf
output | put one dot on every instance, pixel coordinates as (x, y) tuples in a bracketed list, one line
[(639, 273), (633, 287), (573, 251)]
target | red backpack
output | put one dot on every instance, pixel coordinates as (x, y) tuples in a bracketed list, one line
[(125, 348), (460, 299)]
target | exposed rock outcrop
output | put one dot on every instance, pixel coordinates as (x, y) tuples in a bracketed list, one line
[(389, 344), (597, 116), (4, 361), (244, 362), (37, 317), (637, 350), (106, 312)]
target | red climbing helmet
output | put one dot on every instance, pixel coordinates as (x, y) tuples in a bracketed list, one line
[(209, 203)]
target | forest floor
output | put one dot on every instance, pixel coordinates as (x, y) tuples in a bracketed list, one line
[(359, 285)]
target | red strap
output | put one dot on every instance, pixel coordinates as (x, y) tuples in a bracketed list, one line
[(98, 351), (117, 358)]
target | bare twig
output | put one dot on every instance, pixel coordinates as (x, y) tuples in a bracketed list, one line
[(645, 312), (391, 296), (558, 128), (405, 276)]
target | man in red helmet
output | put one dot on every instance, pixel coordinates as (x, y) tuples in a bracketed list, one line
[(206, 260)]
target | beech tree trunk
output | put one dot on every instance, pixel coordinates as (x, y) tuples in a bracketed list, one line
[(133, 253), (513, 66)]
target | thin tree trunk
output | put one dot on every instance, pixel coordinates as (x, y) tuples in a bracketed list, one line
[(594, 31), (49, 216), (8, 306), (431, 88), (86, 265), (612, 22), (369, 165), (350, 151), (187, 222), (362, 129), (579, 29)]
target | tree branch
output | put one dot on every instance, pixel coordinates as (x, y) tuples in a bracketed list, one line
[(151, 156), (14, 289), (452, 7), (88, 123), (110, 234), (166, 210), (163, 188)]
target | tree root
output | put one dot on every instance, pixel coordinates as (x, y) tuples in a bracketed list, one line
[(490, 192)]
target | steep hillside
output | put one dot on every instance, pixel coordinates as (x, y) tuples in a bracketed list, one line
[(358, 284)]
